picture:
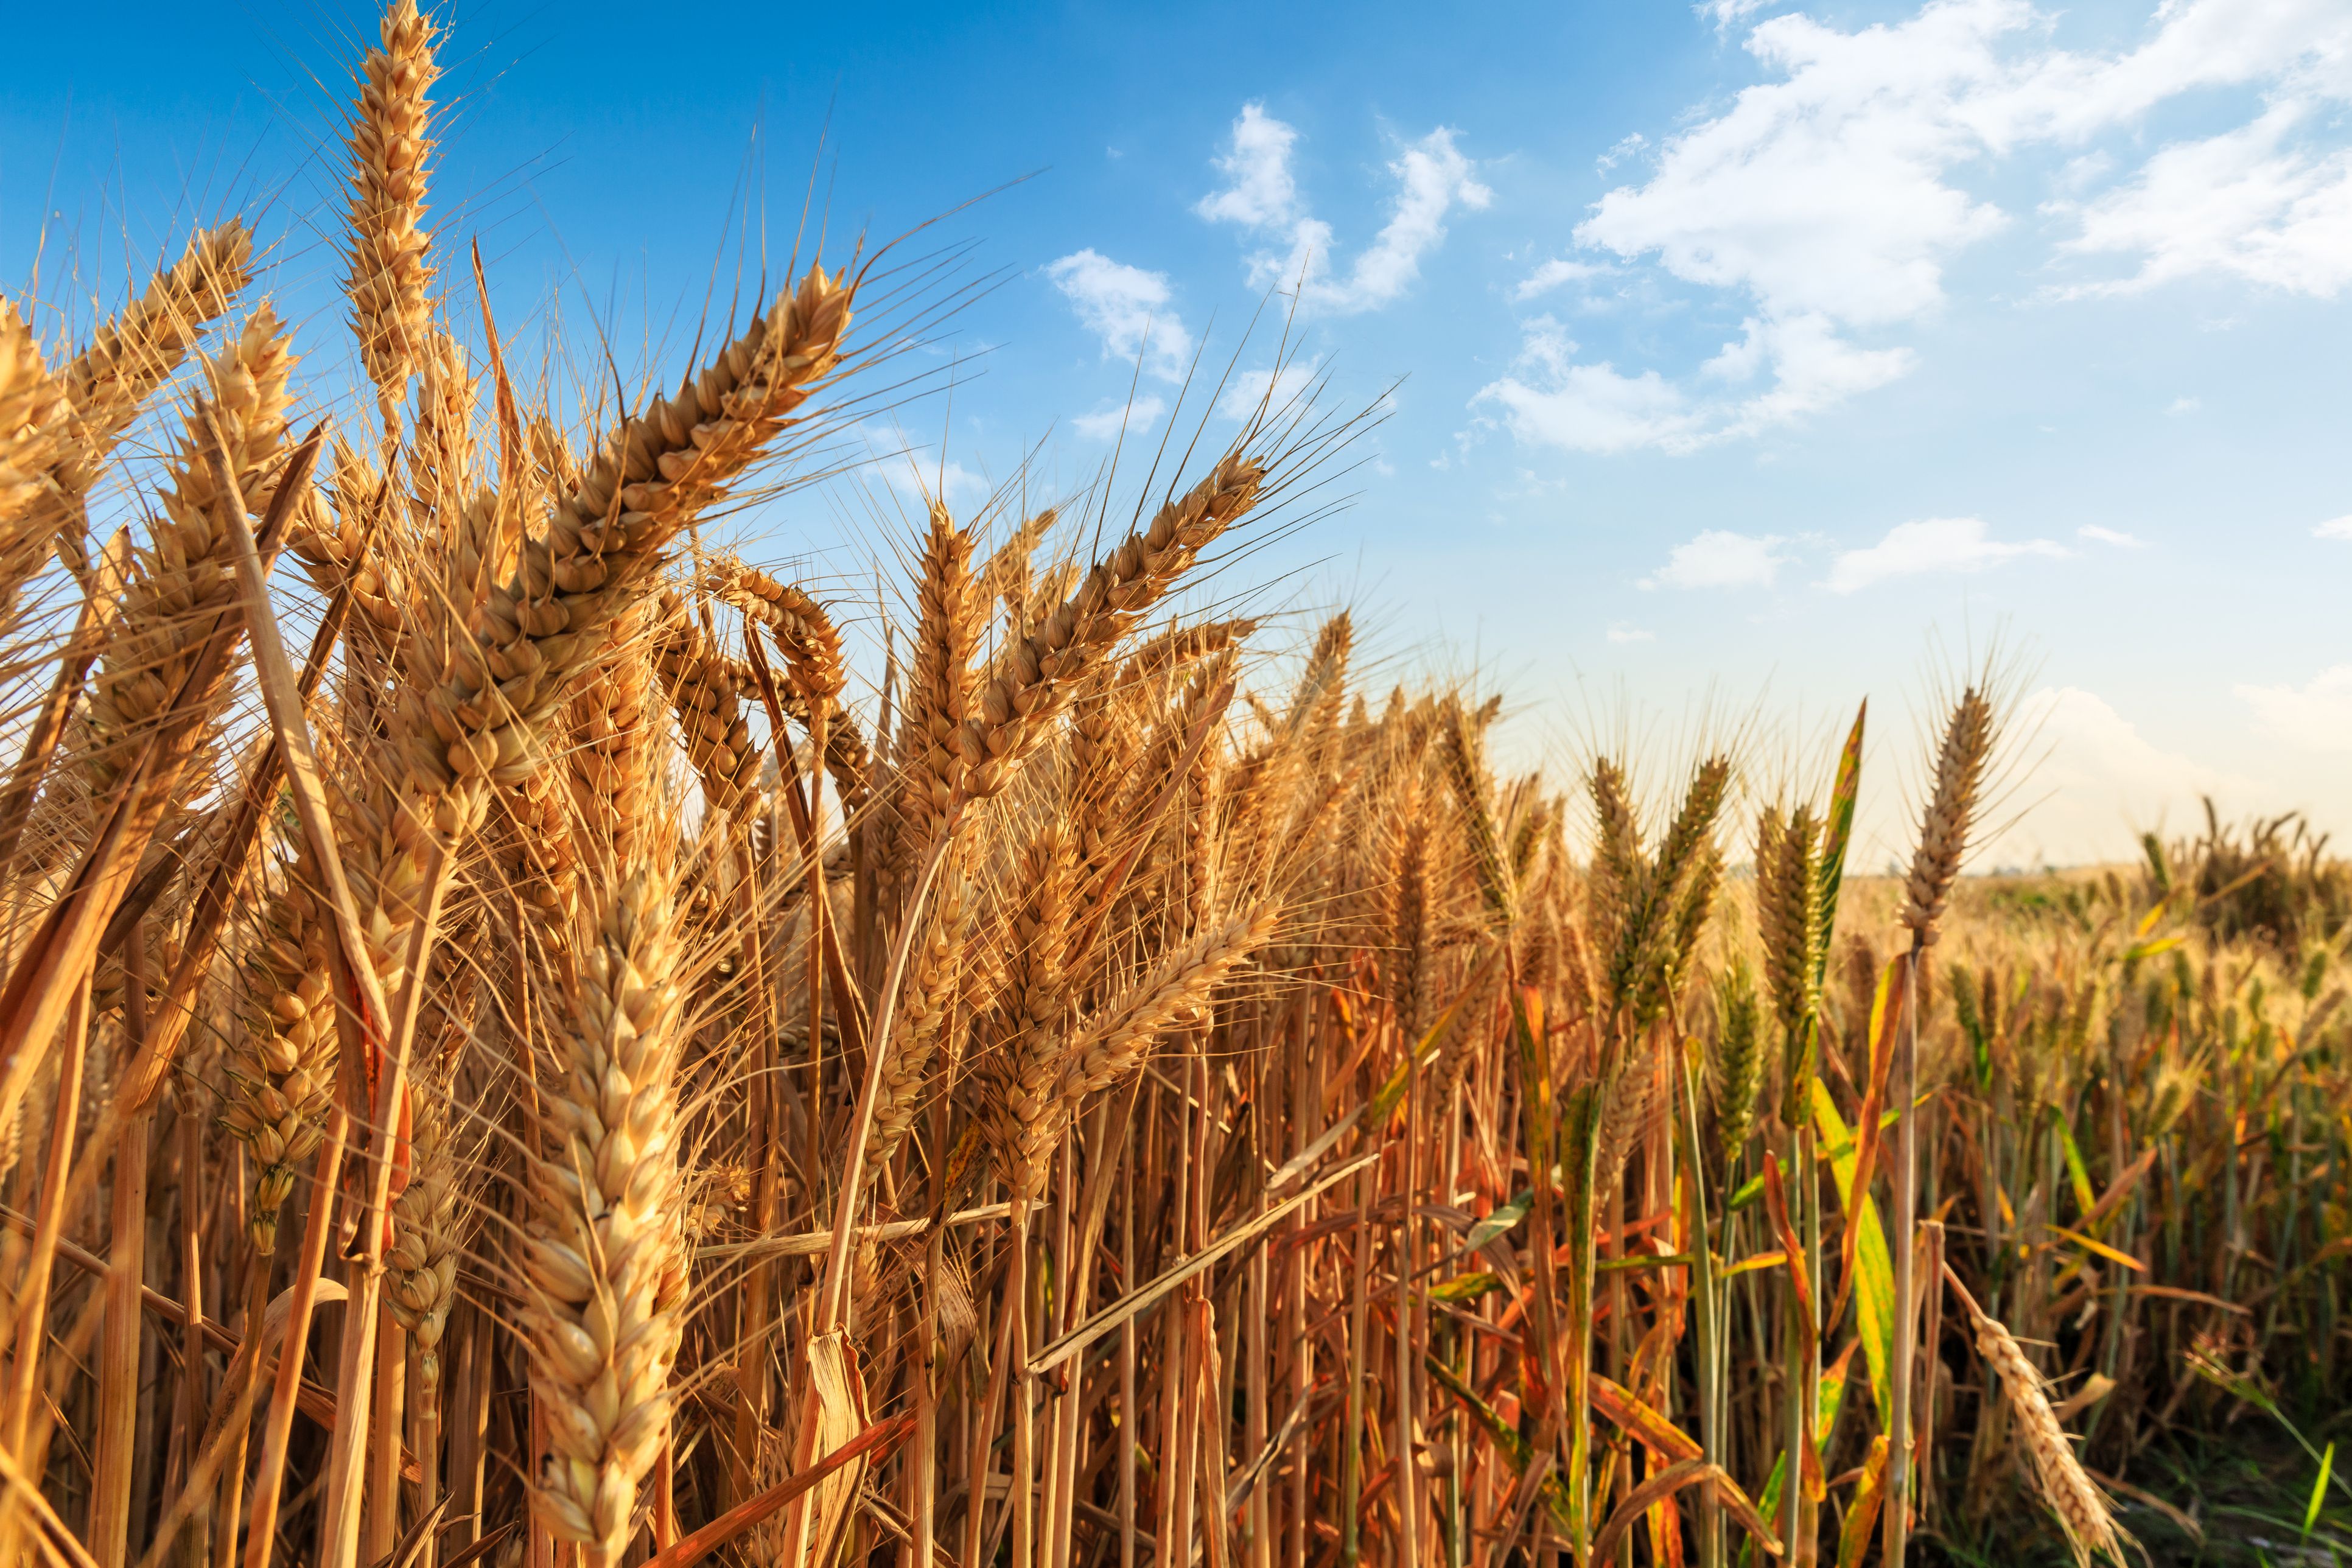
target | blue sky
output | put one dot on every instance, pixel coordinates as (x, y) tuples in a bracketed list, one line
[(1744, 357)]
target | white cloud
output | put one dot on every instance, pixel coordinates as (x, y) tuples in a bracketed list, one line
[(1126, 418), (2096, 782), (1619, 632), (1261, 194), (1272, 390), (1555, 402), (1931, 544), (1128, 308), (2180, 405), (2314, 717), (2334, 528), (915, 471), (1554, 273), (1720, 559), (1259, 191), (2114, 536), (1627, 147), (2254, 204), (1833, 196)]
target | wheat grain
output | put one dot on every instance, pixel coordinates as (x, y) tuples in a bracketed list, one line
[(1739, 1057), (707, 696), (31, 430), (939, 691), (430, 1215), (1459, 759), (1036, 996), (927, 1012), (1112, 1043)]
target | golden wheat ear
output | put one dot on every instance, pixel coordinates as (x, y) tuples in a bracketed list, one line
[(2081, 1507), (1944, 833), (185, 577), (32, 432), (127, 361), (1033, 679), (390, 144), (602, 1259)]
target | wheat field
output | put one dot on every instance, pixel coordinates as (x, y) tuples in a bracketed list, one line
[(520, 1048)]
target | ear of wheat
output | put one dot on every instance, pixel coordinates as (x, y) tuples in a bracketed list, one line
[(603, 1258), (2075, 1500)]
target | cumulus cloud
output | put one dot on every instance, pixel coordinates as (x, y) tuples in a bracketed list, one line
[(1831, 197), (1550, 400), (1720, 559), (1934, 544), (2314, 717), (2097, 783), (1125, 418), (2334, 528), (1261, 195), (1128, 308)]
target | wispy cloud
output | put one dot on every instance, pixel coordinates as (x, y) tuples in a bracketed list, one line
[(914, 470), (1619, 632), (2334, 528), (1552, 274), (1130, 310), (1261, 195), (1273, 389), (2114, 536), (1130, 418), (1720, 559), (1934, 544)]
